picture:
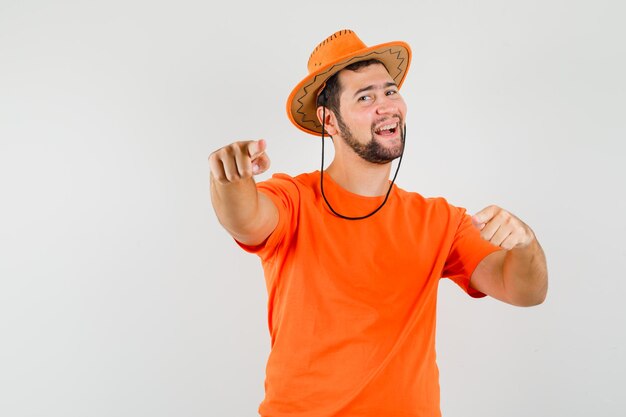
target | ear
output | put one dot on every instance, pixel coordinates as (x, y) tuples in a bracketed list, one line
[(330, 124)]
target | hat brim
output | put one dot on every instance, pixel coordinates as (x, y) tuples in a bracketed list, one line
[(301, 104)]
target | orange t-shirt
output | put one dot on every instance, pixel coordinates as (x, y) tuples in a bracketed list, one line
[(351, 304)]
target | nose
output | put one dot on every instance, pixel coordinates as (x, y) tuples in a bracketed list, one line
[(387, 105)]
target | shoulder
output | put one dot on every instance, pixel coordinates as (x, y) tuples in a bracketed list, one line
[(287, 187), (439, 204), (301, 180), (436, 209), (287, 183)]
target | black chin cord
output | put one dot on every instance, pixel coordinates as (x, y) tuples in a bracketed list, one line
[(390, 185)]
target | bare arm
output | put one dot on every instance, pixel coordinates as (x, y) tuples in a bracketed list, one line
[(517, 275), (249, 216)]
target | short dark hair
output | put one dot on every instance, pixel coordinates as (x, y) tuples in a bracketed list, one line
[(329, 96)]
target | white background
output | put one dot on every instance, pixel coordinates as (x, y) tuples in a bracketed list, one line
[(120, 294)]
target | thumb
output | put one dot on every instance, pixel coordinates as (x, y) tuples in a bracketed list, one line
[(260, 164), (477, 222), (256, 148), (260, 160), (484, 215)]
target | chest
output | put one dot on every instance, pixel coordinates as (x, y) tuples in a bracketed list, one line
[(377, 259)]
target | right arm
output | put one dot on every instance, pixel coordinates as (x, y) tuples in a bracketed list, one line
[(249, 216)]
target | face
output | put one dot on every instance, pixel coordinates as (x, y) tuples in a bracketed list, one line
[(371, 114)]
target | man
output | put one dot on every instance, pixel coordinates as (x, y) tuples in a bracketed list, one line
[(351, 261)]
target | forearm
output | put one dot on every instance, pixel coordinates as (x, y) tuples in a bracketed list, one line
[(249, 216), (242, 210), (525, 276)]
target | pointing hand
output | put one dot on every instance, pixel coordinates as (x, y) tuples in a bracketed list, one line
[(239, 161)]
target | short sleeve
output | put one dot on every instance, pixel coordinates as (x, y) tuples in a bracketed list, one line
[(284, 193), (467, 250)]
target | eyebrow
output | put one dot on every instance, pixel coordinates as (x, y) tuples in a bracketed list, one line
[(373, 87)]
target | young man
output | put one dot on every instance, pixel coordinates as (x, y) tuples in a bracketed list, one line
[(352, 262)]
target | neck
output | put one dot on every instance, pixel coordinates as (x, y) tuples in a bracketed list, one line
[(358, 176)]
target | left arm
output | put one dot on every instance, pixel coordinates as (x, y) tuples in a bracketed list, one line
[(517, 275)]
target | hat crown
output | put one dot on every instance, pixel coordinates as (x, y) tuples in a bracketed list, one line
[(337, 45)]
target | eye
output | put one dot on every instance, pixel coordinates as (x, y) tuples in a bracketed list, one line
[(364, 98), (391, 92)]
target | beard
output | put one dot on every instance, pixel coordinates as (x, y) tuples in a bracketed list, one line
[(372, 151)]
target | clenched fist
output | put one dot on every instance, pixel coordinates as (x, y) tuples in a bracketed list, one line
[(502, 228), (239, 161)]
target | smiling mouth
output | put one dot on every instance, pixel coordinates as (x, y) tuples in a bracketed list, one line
[(387, 130)]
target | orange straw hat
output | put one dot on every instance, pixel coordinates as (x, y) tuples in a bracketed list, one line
[(331, 56)]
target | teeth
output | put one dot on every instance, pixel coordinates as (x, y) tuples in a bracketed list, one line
[(387, 127)]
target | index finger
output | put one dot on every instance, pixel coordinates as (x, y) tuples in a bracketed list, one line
[(256, 148)]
